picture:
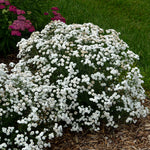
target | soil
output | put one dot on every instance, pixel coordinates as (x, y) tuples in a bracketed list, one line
[(9, 58), (125, 137)]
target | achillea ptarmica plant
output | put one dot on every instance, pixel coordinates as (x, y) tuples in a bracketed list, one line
[(69, 76)]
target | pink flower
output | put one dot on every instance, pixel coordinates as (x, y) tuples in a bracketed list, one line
[(7, 3), (20, 17), (59, 18), (18, 25), (31, 29), (20, 12), (21, 24), (11, 27), (28, 24), (54, 8), (14, 32), (45, 13), (56, 13), (2, 6), (12, 8), (2, 1), (63, 20)]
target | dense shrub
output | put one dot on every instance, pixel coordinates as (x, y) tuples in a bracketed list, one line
[(12, 23), (16, 21), (68, 76)]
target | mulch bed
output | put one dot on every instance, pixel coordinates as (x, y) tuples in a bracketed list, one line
[(125, 137), (9, 58)]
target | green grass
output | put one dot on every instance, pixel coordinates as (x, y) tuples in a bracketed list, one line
[(130, 17)]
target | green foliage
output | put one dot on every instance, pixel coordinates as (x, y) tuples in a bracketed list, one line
[(35, 10), (8, 42)]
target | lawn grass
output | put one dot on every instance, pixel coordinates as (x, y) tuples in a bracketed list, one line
[(130, 17)]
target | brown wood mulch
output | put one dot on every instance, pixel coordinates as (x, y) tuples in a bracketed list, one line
[(9, 58), (125, 137)]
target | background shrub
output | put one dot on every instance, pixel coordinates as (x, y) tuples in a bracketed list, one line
[(35, 10), (13, 28), (14, 25)]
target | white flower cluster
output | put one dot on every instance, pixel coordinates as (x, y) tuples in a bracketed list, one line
[(68, 76)]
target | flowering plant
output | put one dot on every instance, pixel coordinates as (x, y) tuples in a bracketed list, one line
[(57, 16), (12, 24), (68, 76), (15, 23)]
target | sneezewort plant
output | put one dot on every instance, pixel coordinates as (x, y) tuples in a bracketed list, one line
[(68, 76)]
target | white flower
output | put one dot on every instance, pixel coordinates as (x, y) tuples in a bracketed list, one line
[(3, 146), (114, 71)]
